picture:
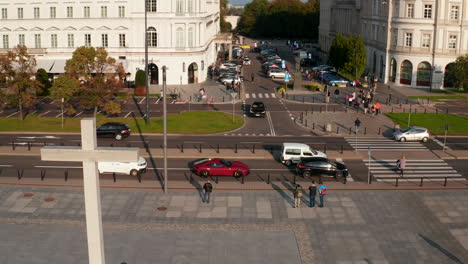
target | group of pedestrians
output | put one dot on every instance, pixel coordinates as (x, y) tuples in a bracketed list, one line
[(366, 99), (298, 193)]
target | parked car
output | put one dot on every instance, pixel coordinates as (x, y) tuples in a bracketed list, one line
[(338, 81), (276, 73), (306, 62), (227, 65), (310, 166), (255, 50), (113, 129), (293, 152), (222, 167), (257, 109), (130, 168), (412, 133), (247, 61), (227, 79)]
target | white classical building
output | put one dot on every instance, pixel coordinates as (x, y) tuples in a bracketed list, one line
[(408, 42), (183, 34)]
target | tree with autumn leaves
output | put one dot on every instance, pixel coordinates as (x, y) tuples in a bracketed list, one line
[(17, 71)]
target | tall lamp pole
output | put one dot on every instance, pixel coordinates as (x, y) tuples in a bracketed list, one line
[(146, 67), (164, 129)]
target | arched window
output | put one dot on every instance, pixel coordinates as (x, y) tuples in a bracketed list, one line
[(151, 5), (180, 6), (190, 37), (152, 37), (406, 72), (424, 74), (180, 41)]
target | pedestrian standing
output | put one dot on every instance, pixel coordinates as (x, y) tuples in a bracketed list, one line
[(208, 187), (312, 193), (377, 107), (252, 77), (402, 165), (297, 196), (357, 124), (322, 191), (366, 106)]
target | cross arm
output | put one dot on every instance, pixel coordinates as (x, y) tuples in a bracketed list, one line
[(64, 153)]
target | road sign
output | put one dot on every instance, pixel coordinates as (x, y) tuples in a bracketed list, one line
[(283, 64), (369, 150), (233, 95), (287, 77)]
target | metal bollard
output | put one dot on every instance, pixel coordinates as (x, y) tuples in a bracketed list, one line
[(43, 172), (242, 179), (139, 177), (200, 150), (66, 175), (223, 98), (337, 130), (345, 179), (217, 149), (350, 130), (20, 173), (306, 122), (446, 110), (268, 178), (217, 179), (396, 182), (182, 148), (112, 145), (379, 130), (425, 110), (235, 148), (13, 146), (313, 126), (325, 148), (341, 149), (445, 181), (113, 177), (303, 100), (421, 183), (365, 130), (253, 149), (29, 146)]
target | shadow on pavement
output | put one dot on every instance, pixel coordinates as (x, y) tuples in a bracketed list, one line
[(441, 249)]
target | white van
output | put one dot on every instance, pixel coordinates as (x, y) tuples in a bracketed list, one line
[(131, 168), (293, 152)]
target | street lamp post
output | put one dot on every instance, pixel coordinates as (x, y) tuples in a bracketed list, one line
[(164, 128), (146, 68)]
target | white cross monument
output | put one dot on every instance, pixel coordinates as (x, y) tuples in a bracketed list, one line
[(90, 154)]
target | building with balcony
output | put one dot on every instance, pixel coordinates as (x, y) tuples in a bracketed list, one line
[(408, 42), (181, 33)]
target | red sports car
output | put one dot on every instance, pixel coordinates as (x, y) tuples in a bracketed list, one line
[(220, 167)]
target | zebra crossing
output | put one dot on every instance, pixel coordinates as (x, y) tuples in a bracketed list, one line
[(260, 95), (383, 144), (384, 170)]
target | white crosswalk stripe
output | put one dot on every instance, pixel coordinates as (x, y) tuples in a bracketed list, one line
[(254, 96), (267, 96), (383, 144), (384, 170), (273, 95), (247, 96), (260, 95)]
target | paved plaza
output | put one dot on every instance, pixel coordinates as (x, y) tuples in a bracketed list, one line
[(237, 227)]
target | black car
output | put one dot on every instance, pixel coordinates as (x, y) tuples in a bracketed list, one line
[(310, 166), (255, 50), (257, 109), (115, 130)]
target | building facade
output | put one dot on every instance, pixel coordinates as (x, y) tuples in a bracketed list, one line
[(408, 42), (181, 33)]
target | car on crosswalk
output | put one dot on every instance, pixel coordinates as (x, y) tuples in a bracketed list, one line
[(412, 133), (315, 165), (257, 108)]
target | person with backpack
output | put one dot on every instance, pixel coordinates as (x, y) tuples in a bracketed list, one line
[(322, 191), (208, 187), (297, 196)]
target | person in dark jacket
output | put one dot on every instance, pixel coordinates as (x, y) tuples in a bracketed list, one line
[(208, 187), (312, 194)]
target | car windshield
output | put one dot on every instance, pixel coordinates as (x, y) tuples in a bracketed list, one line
[(226, 163), (257, 105), (405, 130)]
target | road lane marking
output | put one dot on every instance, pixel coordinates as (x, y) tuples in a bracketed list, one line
[(44, 113), (260, 95), (58, 115), (266, 96), (441, 144), (144, 98), (270, 123), (127, 114), (6, 166), (78, 114), (157, 101), (254, 96), (12, 114), (247, 96)]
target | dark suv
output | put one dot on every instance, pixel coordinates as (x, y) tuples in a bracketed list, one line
[(309, 166), (257, 109), (115, 130)]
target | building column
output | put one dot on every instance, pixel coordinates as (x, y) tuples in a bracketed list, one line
[(230, 51)]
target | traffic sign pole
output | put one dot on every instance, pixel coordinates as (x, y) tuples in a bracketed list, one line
[(369, 151)]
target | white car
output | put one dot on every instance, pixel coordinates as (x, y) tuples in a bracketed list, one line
[(227, 65), (276, 73), (227, 79), (293, 152), (130, 168), (247, 61)]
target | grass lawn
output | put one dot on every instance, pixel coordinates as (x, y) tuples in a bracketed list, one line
[(439, 98), (195, 122), (434, 122)]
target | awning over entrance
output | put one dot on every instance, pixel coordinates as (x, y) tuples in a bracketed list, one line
[(44, 64), (59, 66)]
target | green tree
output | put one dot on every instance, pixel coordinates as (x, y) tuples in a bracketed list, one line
[(348, 55), (100, 76), (338, 51), (458, 72), (17, 69), (224, 25), (140, 78), (43, 78), (65, 87), (252, 12)]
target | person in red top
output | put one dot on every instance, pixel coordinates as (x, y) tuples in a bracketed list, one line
[(377, 108)]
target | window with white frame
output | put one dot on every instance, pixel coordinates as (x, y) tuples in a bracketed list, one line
[(190, 37), (86, 12), (37, 13), (53, 12), (152, 37), (427, 11), (121, 11), (394, 37), (4, 13), (426, 40), (69, 11), (452, 44), (53, 41), (105, 40), (408, 39), (179, 6), (6, 42), (20, 13), (190, 6), (37, 41), (122, 40), (180, 41), (396, 10), (410, 10), (87, 40), (104, 11), (21, 40), (71, 40), (151, 5), (454, 12)]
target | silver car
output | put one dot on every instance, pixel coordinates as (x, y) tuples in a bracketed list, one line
[(412, 133)]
